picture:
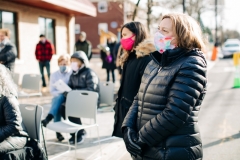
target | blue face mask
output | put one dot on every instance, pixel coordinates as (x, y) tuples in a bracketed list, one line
[(62, 68)]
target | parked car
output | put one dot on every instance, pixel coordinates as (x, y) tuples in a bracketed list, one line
[(230, 46)]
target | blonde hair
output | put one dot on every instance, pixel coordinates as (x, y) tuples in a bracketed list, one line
[(7, 86), (6, 32), (188, 31), (65, 57)]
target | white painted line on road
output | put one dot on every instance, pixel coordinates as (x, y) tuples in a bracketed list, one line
[(229, 69)]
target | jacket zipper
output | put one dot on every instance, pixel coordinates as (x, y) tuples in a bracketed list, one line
[(160, 68), (127, 99)]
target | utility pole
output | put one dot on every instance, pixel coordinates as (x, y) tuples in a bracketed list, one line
[(184, 7), (216, 27), (215, 48)]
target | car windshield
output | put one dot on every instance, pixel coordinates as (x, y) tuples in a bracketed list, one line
[(232, 45)]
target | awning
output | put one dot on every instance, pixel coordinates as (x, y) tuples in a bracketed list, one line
[(76, 7)]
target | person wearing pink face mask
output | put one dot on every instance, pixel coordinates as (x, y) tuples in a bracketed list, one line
[(133, 61), (162, 122)]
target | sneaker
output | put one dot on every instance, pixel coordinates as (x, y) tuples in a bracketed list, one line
[(84, 134), (47, 120), (80, 140), (72, 140), (59, 137)]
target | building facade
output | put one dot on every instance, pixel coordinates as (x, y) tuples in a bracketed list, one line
[(111, 15), (27, 19), (109, 18)]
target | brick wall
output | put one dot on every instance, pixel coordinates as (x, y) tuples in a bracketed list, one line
[(90, 24)]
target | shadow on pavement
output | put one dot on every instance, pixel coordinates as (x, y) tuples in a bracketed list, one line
[(54, 149), (223, 140)]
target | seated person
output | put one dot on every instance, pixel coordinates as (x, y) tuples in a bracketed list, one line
[(12, 134), (63, 73), (82, 78)]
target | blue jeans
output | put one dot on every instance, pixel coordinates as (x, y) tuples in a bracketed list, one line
[(56, 105), (41, 67)]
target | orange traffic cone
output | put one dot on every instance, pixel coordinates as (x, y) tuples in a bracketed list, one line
[(214, 53)]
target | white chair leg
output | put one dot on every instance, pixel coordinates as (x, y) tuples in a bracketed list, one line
[(69, 145), (56, 143), (76, 144), (99, 143)]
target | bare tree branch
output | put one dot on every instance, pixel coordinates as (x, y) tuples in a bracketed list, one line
[(135, 10)]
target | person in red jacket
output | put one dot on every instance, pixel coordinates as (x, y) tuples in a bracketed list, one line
[(44, 52)]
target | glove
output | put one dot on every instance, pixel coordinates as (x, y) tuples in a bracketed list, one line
[(65, 94), (140, 143), (130, 138)]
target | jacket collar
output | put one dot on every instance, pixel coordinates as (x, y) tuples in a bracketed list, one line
[(6, 46), (132, 55), (46, 42), (172, 55), (144, 48), (79, 71), (81, 41)]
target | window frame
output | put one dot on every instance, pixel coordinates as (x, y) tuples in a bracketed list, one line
[(53, 27), (15, 22)]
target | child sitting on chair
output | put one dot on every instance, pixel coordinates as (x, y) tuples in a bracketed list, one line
[(63, 74), (82, 78)]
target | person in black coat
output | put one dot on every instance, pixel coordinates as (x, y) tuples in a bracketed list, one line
[(12, 134), (8, 50), (162, 122), (109, 58), (134, 60)]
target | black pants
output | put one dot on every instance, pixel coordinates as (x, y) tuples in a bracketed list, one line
[(72, 119), (108, 75), (41, 67)]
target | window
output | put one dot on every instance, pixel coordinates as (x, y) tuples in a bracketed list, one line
[(77, 29), (7, 20), (102, 6), (47, 27), (103, 27), (232, 45)]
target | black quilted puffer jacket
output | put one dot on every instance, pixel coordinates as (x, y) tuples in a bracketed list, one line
[(165, 111), (10, 118)]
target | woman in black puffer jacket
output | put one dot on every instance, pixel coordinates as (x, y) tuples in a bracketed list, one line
[(162, 123), (12, 134)]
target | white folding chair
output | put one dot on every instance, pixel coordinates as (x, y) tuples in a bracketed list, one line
[(80, 104), (106, 93), (32, 83), (31, 116), (16, 77)]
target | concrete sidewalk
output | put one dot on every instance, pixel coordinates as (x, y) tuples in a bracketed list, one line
[(111, 147)]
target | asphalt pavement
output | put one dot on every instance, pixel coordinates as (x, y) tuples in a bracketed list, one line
[(219, 118)]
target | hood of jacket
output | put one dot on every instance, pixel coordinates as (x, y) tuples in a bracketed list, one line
[(81, 56)]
